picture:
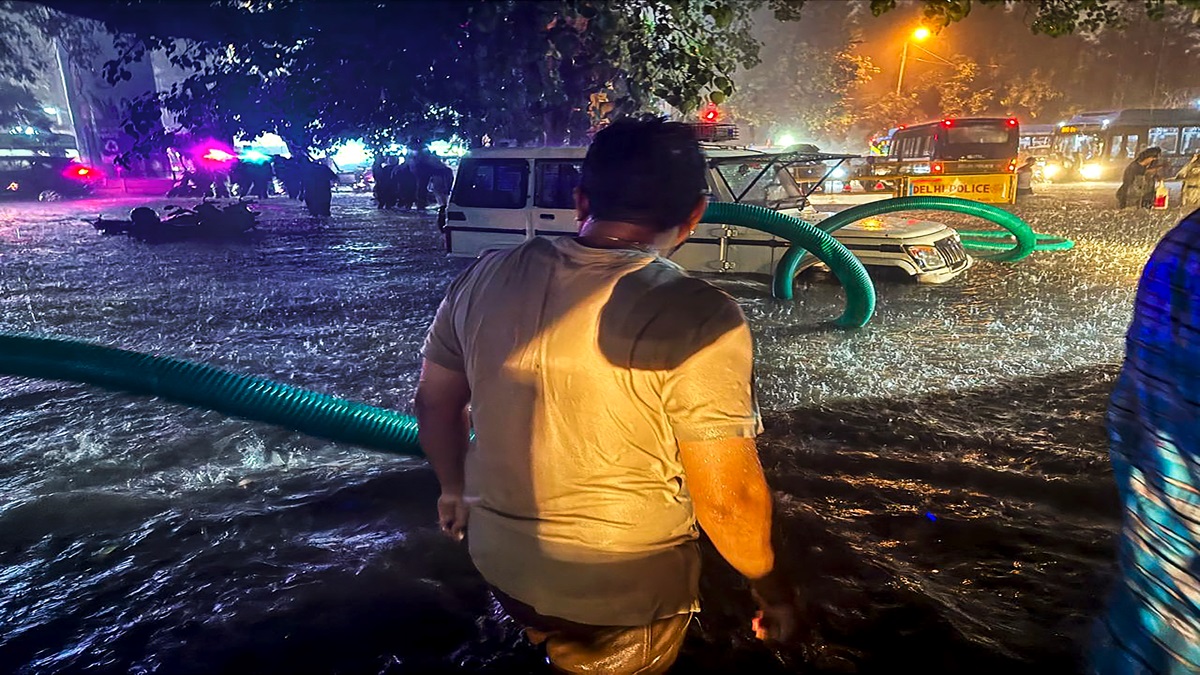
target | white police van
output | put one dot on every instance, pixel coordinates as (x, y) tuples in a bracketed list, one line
[(504, 196)]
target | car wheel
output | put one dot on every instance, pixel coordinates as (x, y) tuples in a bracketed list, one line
[(50, 196)]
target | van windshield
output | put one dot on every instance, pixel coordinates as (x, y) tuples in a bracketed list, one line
[(491, 183), (774, 189)]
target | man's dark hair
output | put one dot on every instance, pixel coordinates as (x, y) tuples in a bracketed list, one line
[(1152, 151), (644, 171)]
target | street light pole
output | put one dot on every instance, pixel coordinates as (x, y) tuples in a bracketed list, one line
[(903, 62), (919, 35)]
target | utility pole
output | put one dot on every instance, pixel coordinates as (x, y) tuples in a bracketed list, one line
[(921, 34)]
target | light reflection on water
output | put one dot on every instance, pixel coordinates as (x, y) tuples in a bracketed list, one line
[(137, 536)]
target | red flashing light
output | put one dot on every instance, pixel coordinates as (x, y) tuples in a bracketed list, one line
[(1012, 121), (947, 123), (218, 155), (1012, 165), (710, 114), (79, 172), (936, 168), (902, 126)]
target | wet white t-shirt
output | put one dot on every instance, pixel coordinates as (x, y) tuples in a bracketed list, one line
[(586, 367)]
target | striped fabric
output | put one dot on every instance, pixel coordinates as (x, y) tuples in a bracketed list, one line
[(1153, 622)]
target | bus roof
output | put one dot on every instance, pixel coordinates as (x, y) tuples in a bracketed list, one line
[(1137, 117), (910, 127), (1037, 129)]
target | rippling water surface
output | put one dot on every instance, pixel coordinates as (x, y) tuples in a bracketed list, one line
[(942, 474)]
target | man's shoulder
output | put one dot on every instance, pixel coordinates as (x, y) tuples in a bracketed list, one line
[(535, 251), (664, 289), (658, 317)]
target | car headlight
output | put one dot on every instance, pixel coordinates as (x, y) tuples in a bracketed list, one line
[(1091, 171), (838, 173), (926, 256), (1051, 170)]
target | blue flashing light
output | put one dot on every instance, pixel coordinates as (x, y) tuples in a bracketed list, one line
[(932, 518), (254, 157)]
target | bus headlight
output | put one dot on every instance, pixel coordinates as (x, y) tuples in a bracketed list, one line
[(1091, 171), (1051, 170)]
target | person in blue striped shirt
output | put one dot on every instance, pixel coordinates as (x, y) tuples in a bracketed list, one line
[(1153, 621)]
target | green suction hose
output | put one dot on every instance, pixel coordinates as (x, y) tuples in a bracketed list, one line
[(211, 388), (326, 416), (981, 240), (805, 237), (785, 270)]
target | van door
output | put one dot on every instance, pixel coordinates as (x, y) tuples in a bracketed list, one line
[(487, 206), (727, 248), (555, 181)]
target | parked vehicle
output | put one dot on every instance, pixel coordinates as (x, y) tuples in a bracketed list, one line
[(46, 179), (969, 157), (505, 196)]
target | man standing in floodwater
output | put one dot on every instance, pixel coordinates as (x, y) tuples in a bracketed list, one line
[(1153, 620), (318, 180), (612, 402)]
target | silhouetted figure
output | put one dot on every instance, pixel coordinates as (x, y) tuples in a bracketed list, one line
[(382, 173), (260, 175), (288, 171), (1133, 181), (424, 164), (1189, 196), (440, 183), (317, 181), (405, 182), (239, 174), (1025, 177)]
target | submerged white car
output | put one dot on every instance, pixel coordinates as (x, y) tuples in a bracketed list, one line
[(504, 196)]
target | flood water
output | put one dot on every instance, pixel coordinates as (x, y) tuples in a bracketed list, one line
[(943, 481)]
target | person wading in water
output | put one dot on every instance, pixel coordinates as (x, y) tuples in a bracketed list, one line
[(612, 401)]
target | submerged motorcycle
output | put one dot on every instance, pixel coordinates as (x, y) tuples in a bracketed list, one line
[(205, 221)]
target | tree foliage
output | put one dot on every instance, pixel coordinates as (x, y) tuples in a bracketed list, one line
[(1049, 17), (26, 54), (315, 72), (319, 71), (805, 83)]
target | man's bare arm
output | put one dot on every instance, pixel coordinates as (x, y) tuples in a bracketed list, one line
[(443, 396), (732, 501), (733, 505)]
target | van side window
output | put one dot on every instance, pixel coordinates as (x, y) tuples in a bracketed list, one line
[(556, 183), (491, 183)]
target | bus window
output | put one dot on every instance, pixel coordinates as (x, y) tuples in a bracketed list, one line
[(977, 140), (1166, 138), (1124, 147), (1191, 141)]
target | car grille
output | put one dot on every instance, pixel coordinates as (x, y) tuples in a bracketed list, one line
[(952, 251)]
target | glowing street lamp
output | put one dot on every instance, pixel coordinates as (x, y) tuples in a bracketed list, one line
[(919, 35)]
